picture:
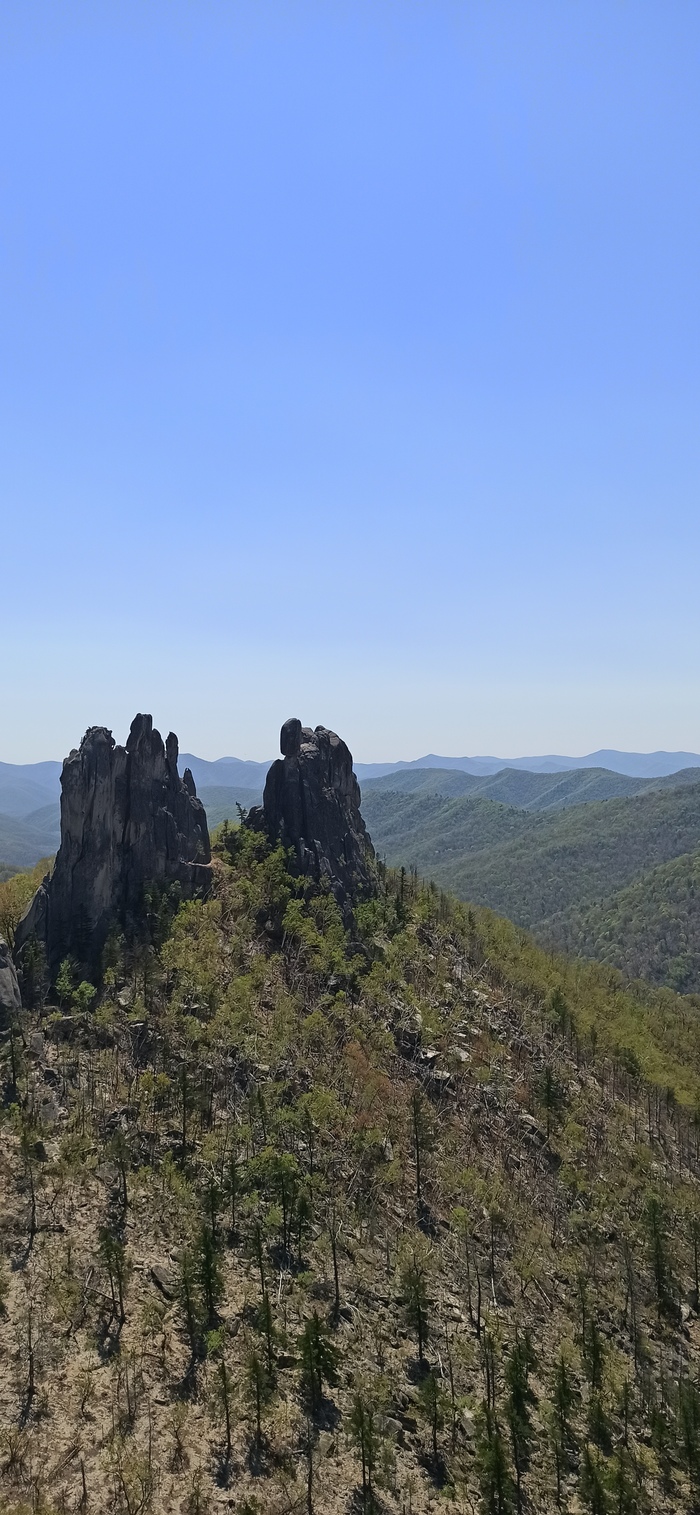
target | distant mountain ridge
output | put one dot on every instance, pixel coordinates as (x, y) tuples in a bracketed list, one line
[(29, 792), (593, 859), (24, 841), (634, 764), (224, 773), (239, 773), (26, 786), (524, 789)]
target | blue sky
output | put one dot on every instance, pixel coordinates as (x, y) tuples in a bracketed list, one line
[(350, 368)]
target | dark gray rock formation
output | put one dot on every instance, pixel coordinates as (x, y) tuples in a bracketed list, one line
[(127, 821), (10, 1001), (311, 803)]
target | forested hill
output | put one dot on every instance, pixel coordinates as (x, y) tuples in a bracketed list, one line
[(545, 870), (298, 1217), (526, 790), (650, 929)]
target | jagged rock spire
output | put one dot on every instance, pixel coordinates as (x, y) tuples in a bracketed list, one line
[(127, 820), (311, 803)]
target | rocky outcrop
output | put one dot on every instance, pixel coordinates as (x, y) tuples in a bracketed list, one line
[(10, 1001), (127, 821), (311, 804)]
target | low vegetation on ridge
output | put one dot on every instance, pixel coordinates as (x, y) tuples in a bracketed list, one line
[(398, 1218)]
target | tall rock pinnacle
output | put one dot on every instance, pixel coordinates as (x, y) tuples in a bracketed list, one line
[(127, 820), (311, 803)]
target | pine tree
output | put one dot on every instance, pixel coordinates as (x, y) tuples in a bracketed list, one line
[(492, 1468), (519, 1400), (188, 1297), (367, 1433), (564, 1398), (319, 1360), (659, 1258), (223, 1381), (210, 1276), (434, 1405), (113, 1254), (258, 1387), (414, 1269), (423, 1131), (591, 1483), (689, 1426)]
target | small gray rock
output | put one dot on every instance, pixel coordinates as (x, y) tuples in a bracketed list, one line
[(163, 1281), (395, 1429), (467, 1424)]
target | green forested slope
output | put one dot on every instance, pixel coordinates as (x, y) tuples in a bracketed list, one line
[(546, 871), (650, 930), (431, 832), (577, 856), (221, 802)]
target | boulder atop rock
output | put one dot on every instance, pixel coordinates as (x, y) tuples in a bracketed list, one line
[(10, 1001), (311, 804), (127, 821)]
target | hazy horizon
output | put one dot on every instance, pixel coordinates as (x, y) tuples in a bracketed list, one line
[(374, 761)]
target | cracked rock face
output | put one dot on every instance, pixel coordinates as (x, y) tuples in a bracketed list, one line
[(127, 820), (311, 804)]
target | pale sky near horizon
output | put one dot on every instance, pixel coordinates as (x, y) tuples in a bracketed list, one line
[(350, 369)]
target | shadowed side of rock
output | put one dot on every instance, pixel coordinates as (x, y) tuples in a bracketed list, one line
[(311, 804), (127, 821)]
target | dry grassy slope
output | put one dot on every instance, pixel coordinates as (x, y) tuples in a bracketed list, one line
[(288, 1042)]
